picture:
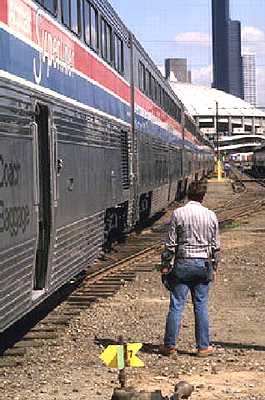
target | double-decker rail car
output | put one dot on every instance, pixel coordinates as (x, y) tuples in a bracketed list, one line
[(92, 140), (258, 162)]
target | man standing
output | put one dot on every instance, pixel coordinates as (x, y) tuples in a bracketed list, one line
[(227, 169), (193, 245)]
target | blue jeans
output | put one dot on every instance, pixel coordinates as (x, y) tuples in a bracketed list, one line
[(178, 297)]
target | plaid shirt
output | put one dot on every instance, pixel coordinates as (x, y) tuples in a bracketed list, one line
[(194, 232)]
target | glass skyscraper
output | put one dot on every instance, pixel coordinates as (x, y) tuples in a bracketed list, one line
[(226, 37), (249, 78)]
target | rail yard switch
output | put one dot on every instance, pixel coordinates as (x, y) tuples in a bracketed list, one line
[(121, 356), (131, 394), (183, 390)]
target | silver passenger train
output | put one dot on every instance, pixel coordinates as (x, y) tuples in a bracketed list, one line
[(92, 141), (258, 162)]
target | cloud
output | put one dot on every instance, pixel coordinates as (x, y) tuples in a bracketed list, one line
[(261, 86), (253, 40), (194, 38), (162, 69), (202, 76), (252, 34)]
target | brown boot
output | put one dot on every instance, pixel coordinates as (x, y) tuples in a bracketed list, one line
[(205, 352), (168, 351)]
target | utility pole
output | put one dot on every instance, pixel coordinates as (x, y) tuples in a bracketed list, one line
[(219, 169)]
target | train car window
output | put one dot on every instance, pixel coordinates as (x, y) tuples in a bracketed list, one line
[(65, 12), (106, 41), (75, 16), (50, 5), (166, 102), (91, 25), (178, 114), (147, 81), (150, 84), (172, 108), (152, 87), (162, 98), (156, 92), (118, 54), (190, 126), (109, 43), (140, 83), (103, 41), (87, 27), (141, 76), (159, 94)]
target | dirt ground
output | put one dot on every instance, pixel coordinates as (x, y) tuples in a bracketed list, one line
[(73, 370)]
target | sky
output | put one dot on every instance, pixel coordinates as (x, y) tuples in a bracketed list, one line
[(182, 28)]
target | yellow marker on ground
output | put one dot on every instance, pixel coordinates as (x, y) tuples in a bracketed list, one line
[(132, 359), (121, 356), (111, 356)]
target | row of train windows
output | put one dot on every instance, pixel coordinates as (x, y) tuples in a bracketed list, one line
[(97, 32), (191, 127), (149, 86)]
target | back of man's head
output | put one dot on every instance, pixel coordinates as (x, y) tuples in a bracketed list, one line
[(197, 191)]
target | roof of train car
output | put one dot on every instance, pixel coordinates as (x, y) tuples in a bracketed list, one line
[(156, 69), (107, 9), (109, 12)]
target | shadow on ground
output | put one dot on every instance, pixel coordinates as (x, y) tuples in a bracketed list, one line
[(148, 348), (243, 346)]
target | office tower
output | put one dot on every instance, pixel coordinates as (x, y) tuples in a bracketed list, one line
[(226, 37), (220, 17), (249, 78), (235, 73), (179, 68)]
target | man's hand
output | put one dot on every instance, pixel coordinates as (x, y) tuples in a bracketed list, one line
[(166, 259), (165, 269)]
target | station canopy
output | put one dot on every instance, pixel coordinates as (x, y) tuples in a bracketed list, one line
[(201, 101)]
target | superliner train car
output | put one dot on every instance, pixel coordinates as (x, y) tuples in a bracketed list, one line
[(92, 140), (258, 162)]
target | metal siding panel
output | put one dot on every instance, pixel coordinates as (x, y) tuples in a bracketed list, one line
[(17, 216), (173, 191), (90, 234), (159, 199), (14, 310), (90, 147), (16, 281)]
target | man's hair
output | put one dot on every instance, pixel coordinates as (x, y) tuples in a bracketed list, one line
[(197, 190)]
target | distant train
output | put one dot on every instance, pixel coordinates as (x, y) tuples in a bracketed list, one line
[(92, 141), (242, 160), (258, 162)]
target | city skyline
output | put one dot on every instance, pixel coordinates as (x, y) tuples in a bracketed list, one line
[(189, 35)]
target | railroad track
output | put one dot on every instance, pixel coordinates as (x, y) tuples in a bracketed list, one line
[(47, 323), (249, 198)]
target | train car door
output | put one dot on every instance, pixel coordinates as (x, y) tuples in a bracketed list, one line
[(43, 197)]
